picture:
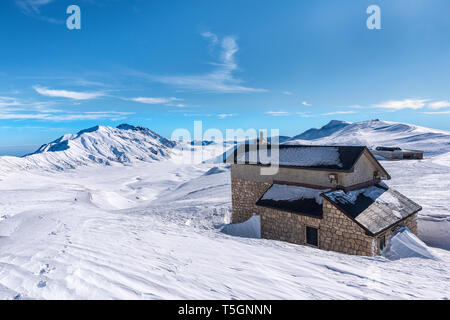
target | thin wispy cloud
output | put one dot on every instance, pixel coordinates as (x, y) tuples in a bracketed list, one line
[(225, 115), (337, 112), (436, 112), (304, 114), (15, 109), (213, 38), (306, 104), (402, 104), (178, 105), (405, 104), (111, 115), (11, 104), (277, 113), (8, 102), (221, 79), (288, 93), (33, 8), (153, 100), (439, 104), (75, 95), (30, 6), (197, 114)]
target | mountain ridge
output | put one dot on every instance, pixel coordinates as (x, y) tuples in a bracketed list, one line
[(127, 144), (124, 145), (373, 133)]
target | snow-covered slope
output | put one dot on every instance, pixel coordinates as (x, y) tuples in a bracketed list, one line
[(160, 230), (328, 129), (377, 133), (57, 242), (104, 145)]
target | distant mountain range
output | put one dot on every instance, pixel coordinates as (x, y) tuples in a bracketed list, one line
[(127, 144), (375, 133)]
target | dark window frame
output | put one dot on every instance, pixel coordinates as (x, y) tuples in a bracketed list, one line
[(316, 245)]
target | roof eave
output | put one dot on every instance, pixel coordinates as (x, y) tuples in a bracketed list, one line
[(367, 231)]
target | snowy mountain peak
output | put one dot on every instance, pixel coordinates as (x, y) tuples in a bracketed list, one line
[(326, 130), (374, 133), (125, 144)]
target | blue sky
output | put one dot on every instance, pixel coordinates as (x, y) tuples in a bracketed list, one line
[(287, 64)]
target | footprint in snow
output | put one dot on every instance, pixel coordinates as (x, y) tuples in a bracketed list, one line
[(42, 284), (46, 268)]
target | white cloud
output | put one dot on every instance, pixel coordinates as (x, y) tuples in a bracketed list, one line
[(306, 104), (197, 114), (220, 79), (66, 116), (149, 100), (439, 104), (225, 115), (277, 113), (8, 102), (68, 94), (437, 112), (214, 39), (288, 93), (402, 104), (15, 109), (304, 114), (32, 6), (337, 112)]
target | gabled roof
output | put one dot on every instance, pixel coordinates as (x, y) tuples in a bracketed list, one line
[(374, 208), (294, 199), (336, 158)]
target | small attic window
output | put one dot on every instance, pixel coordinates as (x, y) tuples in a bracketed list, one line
[(333, 178), (312, 237), (376, 174)]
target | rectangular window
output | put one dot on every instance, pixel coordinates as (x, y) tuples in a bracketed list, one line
[(381, 243), (312, 236)]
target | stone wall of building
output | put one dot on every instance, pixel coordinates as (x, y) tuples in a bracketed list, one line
[(244, 195), (336, 231), (340, 233), (286, 226)]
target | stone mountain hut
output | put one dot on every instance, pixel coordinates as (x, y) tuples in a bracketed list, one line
[(328, 197)]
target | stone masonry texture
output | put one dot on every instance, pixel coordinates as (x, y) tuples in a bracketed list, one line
[(336, 231)]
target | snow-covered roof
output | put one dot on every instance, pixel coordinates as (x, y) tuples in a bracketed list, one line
[(297, 199), (340, 158), (376, 208)]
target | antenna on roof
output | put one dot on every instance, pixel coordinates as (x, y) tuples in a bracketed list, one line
[(261, 139)]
